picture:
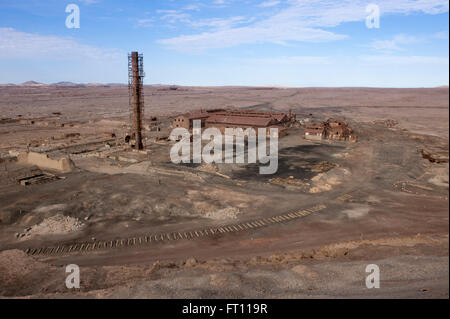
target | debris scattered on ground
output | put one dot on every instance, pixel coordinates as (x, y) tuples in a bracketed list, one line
[(54, 225), (224, 213), (323, 167), (211, 168), (435, 157), (208, 168), (191, 262), (341, 155), (290, 181), (323, 182), (388, 123)]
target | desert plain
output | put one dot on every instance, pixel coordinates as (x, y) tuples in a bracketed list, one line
[(140, 226)]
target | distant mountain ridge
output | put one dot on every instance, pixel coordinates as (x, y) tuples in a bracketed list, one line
[(63, 83), (32, 83), (73, 84)]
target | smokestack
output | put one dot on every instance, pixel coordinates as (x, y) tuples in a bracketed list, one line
[(135, 88)]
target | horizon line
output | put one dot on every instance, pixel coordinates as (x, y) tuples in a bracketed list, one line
[(68, 84)]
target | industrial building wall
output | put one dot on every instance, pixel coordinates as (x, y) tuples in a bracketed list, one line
[(313, 137)]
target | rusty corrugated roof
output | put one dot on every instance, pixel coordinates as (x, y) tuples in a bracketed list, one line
[(238, 117), (202, 115), (315, 129), (240, 120), (279, 117), (247, 113), (193, 116)]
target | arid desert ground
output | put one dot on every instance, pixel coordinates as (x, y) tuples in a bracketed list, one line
[(140, 226)]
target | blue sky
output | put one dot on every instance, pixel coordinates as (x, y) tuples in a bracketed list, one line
[(228, 42)]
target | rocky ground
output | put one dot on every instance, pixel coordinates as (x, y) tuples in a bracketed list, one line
[(385, 198)]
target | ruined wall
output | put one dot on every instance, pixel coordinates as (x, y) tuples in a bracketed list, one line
[(63, 165), (313, 136), (181, 121)]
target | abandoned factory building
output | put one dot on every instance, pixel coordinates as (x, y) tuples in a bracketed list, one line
[(222, 119), (332, 130)]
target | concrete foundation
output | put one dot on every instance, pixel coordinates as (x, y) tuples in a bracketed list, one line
[(63, 165)]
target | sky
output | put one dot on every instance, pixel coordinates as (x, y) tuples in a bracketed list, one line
[(296, 43)]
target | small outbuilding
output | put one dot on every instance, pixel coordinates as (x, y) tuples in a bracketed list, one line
[(315, 132)]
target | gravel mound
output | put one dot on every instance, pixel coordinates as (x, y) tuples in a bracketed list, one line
[(55, 225), (224, 213)]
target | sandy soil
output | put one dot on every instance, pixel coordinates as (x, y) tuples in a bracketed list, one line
[(385, 202)]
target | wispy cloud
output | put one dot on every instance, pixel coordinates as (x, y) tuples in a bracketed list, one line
[(236, 36), (88, 2), (442, 35), (221, 2), (292, 60), (146, 22), (269, 3), (400, 60), (301, 21), (217, 23), (400, 41), (174, 16), (177, 16), (192, 7), (19, 44), (394, 44)]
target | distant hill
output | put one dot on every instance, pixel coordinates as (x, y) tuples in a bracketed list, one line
[(65, 83), (32, 83), (116, 84), (172, 86), (96, 84)]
